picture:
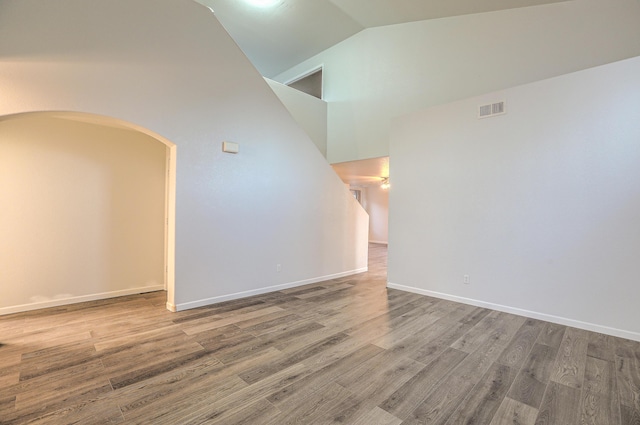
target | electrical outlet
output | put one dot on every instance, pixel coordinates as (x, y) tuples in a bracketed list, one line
[(278, 268), (465, 279)]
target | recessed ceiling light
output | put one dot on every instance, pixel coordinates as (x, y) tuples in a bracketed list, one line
[(263, 3)]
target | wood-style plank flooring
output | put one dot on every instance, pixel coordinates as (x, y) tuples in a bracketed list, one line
[(346, 351)]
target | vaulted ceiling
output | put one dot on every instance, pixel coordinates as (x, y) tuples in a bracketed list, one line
[(278, 37)]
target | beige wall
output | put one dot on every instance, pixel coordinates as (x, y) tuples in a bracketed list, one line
[(177, 74), (375, 201), (309, 112), (82, 215), (539, 206)]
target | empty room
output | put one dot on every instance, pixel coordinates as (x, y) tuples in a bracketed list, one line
[(320, 211)]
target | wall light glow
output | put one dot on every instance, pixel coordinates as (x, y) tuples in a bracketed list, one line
[(263, 3), (385, 183)]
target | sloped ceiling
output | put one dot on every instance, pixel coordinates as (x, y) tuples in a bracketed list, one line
[(375, 13), (279, 37)]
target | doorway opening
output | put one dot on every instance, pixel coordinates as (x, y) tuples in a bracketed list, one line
[(368, 181), (89, 211)]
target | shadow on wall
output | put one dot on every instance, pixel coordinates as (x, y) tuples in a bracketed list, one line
[(259, 208), (87, 201)]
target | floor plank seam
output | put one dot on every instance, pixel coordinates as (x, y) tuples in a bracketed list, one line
[(348, 350)]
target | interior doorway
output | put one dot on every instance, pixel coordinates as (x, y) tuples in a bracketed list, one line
[(368, 181), (89, 210)]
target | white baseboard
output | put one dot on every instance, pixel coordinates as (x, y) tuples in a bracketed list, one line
[(520, 312), (80, 299), (380, 242), (260, 291)]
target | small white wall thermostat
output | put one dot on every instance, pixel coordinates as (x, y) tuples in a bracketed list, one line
[(230, 147)]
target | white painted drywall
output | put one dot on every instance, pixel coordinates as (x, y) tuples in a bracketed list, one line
[(540, 207), (308, 111), (375, 201), (168, 66), (384, 72), (83, 210)]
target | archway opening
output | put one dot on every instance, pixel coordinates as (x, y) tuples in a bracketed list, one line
[(88, 210)]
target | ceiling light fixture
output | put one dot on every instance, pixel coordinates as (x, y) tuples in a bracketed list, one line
[(263, 3), (385, 183)]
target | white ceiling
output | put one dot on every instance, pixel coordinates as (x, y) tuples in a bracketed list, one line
[(375, 13), (364, 172), (277, 38)]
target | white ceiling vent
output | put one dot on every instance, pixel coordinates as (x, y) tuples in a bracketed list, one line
[(492, 109)]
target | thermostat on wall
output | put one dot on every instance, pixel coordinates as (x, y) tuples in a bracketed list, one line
[(230, 147)]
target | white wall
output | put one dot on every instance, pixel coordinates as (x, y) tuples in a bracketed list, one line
[(375, 201), (83, 209), (308, 111), (169, 67), (540, 207), (384, 72)]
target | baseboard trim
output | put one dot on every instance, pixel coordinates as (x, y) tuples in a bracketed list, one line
[(380, 242), (260, 291), (521, 312), (80, 299)]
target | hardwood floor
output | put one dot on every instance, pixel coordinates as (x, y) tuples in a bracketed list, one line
[(346, 351)]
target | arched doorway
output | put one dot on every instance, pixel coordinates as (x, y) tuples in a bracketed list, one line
[(88, 210)]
